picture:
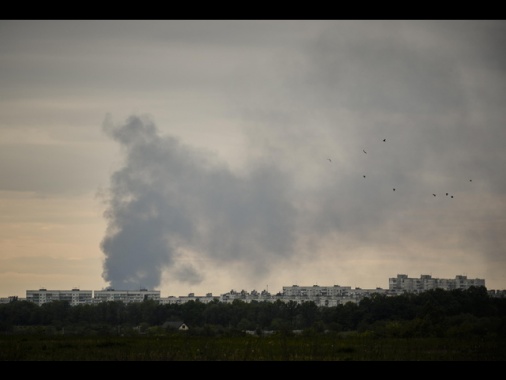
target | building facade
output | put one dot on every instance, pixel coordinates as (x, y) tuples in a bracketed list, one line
[(10, 299), (190, 297), (402, 283), (321, 295), (126, 296), (74, 296)]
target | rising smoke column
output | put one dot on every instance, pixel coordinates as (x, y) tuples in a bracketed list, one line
[(168, 198)]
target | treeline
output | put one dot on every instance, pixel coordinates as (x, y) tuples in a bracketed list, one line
[(436, 313)]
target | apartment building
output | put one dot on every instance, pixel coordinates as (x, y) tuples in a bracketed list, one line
[(10, 299), (190, 297), (126, 296), (321, 295), (403, 283), (316, 291), (74, 296)]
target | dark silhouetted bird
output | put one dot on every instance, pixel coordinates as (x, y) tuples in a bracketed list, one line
[(394, 188), (329, 159), (446, 194), (365, 152), (434, 194), (384, 139), (364, 176)]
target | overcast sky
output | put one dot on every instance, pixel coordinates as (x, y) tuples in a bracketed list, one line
[(205, 156)]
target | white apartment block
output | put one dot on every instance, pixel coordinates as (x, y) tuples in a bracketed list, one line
[(321, 295), (74, 296), (126, 296), (190, 297), (316, 291), (402, 283), (327, 295)]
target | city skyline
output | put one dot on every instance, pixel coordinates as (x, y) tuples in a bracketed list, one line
[(193, 156), (424, 278)]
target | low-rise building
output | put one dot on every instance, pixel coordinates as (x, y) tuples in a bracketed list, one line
[(190, 297), (10, 299)]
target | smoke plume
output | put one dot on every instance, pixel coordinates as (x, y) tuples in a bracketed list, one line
[(169, 200)]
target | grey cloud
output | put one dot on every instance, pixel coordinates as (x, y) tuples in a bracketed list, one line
[(414, 84)]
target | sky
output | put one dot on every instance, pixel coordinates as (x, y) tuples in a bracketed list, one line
[(203, 156)]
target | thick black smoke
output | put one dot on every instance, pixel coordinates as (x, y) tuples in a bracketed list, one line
[(168, 199)]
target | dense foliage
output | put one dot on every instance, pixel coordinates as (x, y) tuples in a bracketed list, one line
[(434, 313)]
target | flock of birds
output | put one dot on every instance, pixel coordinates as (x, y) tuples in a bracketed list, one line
[(384, 140)]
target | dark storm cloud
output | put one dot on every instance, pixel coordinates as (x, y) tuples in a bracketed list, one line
[(169, 197)]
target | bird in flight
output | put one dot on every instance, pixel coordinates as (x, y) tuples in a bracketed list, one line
[(434, 194), (384, 140), (365, 151), (394, 188), (329, 159)]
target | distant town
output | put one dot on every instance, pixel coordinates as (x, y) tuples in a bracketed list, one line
[(321, 295)]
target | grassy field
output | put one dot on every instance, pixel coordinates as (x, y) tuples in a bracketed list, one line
[(182, 347)]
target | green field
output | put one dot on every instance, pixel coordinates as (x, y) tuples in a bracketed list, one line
[(184, 347)]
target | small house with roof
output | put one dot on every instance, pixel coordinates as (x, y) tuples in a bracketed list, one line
[(176, 325)]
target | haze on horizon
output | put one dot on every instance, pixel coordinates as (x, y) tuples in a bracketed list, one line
[(209, 155)]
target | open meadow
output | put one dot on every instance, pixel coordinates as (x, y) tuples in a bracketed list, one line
[(277, 347)]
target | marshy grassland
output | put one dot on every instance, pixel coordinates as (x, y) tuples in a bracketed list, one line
[(277, 347)]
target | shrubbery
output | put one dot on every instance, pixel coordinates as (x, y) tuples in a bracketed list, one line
[(434, 313)]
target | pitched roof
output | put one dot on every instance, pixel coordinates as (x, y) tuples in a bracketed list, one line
[(175, 325)]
